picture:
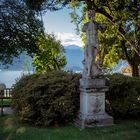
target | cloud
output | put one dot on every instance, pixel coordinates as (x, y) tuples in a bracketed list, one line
[(69, 39)]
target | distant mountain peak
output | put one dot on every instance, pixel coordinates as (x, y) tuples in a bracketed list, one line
[(73, 47)]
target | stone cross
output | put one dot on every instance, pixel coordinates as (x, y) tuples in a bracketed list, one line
[(90, 62)]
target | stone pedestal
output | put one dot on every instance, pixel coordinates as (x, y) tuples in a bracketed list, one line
[(92, 104), (92, 84)]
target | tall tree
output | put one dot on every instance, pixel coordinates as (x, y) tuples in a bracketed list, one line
[(123, 16), (18, 30), (50, 55), (114, 47), (115, 11)]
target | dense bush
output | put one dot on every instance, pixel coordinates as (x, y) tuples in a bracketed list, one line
[(123, 97), (53, 97), (46, 99)]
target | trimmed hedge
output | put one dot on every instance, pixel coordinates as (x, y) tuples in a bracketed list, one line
[(53, 98), (123, 96), (47, 99)]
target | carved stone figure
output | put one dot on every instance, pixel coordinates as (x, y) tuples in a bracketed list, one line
[(90, 62), (92, 86)]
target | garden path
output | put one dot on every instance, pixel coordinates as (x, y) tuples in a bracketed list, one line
[(7, 110)]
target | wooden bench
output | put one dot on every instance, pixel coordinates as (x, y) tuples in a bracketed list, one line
[(5, 94)]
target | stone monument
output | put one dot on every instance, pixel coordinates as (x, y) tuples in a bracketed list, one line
[(92, 83)]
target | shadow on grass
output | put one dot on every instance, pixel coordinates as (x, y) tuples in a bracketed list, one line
[(10, 129)]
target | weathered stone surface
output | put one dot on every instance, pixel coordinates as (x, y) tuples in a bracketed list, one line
[(98, 120), (92, 110), (92, 84), (91, 60), (92, 103)]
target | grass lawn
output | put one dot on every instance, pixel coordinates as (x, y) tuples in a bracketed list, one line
[(123, 130), (6, 102)]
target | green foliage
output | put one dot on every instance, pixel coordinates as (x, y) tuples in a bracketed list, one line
[(19, 28), (36, 5), (112, 45), (51, 5), (110, 50), (119, 13), (53, 98), (46, 99), (122, 20), (123, 97), (50, 55), (6, 102)]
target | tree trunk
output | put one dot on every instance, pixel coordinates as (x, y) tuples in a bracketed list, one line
[(135, 70), (134, 63)]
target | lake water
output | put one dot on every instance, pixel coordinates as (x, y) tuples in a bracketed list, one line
[(9, 77)]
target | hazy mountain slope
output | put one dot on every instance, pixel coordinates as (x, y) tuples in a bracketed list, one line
[(74, 56), (19, 63)]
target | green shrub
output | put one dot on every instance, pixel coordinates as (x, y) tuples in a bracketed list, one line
[(53, 98), (123, 97), (48, 98)]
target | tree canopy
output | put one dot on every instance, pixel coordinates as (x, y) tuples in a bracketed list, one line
[(122, 39), (50, 55), (121, 16), (18, 30), (115, 11), (113, 46)]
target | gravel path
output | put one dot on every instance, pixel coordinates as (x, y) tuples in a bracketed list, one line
[(6, 110)]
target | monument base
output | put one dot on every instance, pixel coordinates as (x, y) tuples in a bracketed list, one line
[(92, 108), (93, 121), (93, 83)]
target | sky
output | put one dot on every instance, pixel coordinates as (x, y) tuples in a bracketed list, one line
[(59, 23)]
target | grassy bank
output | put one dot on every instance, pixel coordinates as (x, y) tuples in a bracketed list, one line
[(6, 102), (123, 130)]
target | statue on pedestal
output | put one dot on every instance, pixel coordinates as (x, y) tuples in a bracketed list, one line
[(92, 85)]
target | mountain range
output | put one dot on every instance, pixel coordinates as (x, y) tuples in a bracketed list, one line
[(74, 56)]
